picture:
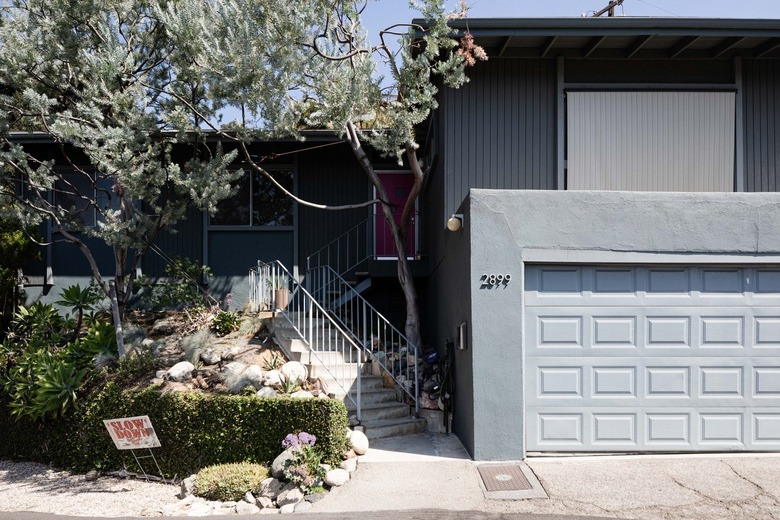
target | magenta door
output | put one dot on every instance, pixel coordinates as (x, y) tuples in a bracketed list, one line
[(397, 186)]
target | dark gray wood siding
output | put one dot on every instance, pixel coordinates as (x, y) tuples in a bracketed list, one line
[(761, 84), (499, 129), (329, 175), (184, 240)]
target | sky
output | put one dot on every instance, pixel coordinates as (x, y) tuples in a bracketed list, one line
[(380, 12)]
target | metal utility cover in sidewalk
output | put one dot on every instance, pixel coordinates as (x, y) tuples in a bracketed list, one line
[(503, 477)]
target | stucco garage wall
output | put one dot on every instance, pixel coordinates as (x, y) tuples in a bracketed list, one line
[(508, 228)]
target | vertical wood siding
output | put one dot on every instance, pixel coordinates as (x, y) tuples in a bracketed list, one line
[(761, 84), (650, 141), (186, 242), (499, 129), (328, 175)]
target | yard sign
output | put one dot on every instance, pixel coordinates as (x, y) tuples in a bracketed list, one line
[(132, 433)]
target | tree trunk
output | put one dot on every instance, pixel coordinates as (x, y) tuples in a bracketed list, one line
[(398, 231)]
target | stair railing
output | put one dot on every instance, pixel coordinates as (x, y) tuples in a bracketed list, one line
[(347, 252), (328, 342), (386, 344)]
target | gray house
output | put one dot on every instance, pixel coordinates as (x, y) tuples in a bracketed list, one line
[(615, 285), (612, 283)]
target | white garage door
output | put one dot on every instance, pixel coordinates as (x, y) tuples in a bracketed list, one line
[(626, 359)]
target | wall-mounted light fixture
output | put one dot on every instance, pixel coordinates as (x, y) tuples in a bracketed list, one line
[(455, 222)]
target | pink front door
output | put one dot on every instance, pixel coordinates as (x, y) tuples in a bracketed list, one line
[(397, 186)]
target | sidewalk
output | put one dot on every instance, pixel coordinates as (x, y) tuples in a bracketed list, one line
[(434, 472)]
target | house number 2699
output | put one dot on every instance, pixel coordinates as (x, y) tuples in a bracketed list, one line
[(495, 280)]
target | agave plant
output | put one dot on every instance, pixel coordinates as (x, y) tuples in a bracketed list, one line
[(79, 300)]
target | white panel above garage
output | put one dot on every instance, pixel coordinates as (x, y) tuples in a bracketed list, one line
[(650, 141)]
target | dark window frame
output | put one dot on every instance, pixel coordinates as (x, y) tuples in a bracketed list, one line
[(251, 226)]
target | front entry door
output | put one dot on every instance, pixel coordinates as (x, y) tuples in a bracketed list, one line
[(398, 186)]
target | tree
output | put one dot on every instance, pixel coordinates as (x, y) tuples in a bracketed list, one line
[(284, 62), (90, 75), (118, 83)]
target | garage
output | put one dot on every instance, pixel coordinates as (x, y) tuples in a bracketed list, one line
[(651, 358)]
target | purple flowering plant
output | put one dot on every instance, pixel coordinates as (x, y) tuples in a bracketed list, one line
[(304, 468)]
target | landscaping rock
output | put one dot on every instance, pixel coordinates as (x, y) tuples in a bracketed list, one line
[(290, 496), (287, 509), (245, 508), (265, 503), (181, 371), (302, 507), (164, 327), (314, 497), (302, 394), (349, 465), (187, 486), (294, 371), (336, 477), (272, 378), (210, 357), (160, 374), (270, 488), (200, 508), (253, 375), (266, 391), (269, 511), (233, 369), (249, 498), (277, 467), (231, 353), (91, 475), (359, 442)]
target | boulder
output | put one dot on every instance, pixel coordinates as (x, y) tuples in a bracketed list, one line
[(302, 507), (181, 371), (291, 496), (294, 371), (277, 467), (266, 391), (336, 477), (349, 465), (245, 508), (200, 508), (233, 369), (302, 394), (210, 356), (187, 486), (287, 509), (270, 488), (164, 327), (249, 498), (314, 497), (231, 353), (265, 502), (359, 442), (272, 378), (253, 375)]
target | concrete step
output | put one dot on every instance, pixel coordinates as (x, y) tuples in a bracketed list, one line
[(381, 411), (334, 380), (372, 396), (391, 427)]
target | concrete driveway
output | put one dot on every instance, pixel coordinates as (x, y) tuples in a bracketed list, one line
[(434, 472)]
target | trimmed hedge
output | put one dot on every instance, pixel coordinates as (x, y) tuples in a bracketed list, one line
[(195, 430)]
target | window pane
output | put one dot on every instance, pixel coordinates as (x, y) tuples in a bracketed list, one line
[(271, 206), (234, 211)]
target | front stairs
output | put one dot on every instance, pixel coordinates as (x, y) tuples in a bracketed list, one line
[(383, 412)]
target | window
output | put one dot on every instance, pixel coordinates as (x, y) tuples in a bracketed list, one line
[(258, 202)]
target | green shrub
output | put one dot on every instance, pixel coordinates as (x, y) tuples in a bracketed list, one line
[(195, 430), (229, 481), (182, 290), (224, 322)]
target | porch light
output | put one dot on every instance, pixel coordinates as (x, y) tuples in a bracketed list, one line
[(455, 222)]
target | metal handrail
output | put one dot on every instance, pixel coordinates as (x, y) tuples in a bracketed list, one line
[(326, 339), (348, 251), (387, 345)]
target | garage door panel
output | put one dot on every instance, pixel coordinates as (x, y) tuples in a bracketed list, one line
[(611, 370), (654, 429)]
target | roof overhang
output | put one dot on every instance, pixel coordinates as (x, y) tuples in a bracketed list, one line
[(624, 37)]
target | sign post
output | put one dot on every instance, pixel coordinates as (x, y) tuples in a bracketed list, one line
[(135, 433)]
